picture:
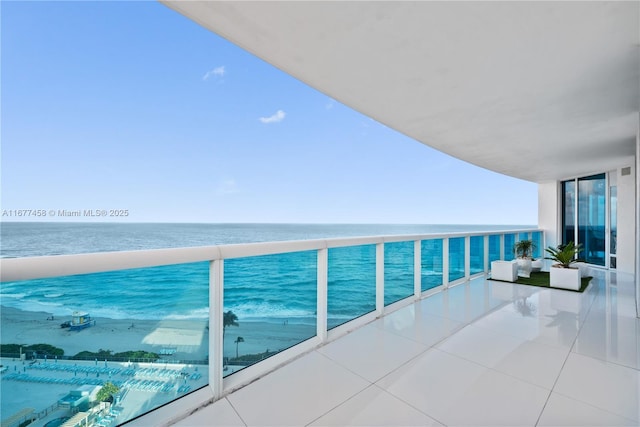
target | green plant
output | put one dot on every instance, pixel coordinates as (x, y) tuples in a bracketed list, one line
[(42, 349), (524, 248), (106, 392), (228, 319), (565, 255)]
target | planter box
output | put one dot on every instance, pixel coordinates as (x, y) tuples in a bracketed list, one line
[(504, 270), (565, 278)]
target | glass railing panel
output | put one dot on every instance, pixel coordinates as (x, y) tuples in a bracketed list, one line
[(270, 304), (476, 254), (140, 336), (351, 283), (398, 271), (431, 263), (536, 237), (509, 243), (523, 236), (456, 258), (494, 248)]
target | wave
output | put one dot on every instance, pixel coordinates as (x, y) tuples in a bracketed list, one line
[(15, 296), (200, 313), (266, 310), (53, 295)]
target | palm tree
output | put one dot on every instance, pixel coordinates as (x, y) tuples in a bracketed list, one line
[(228, 319), (238, 341), (524, 248)]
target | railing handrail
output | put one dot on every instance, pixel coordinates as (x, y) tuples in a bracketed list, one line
[(39, 267)]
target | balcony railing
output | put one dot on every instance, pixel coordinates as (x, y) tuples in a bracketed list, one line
[(285, 298)]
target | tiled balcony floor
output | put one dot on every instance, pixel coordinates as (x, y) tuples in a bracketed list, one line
[(481, 353)]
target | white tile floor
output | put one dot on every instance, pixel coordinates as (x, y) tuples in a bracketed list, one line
[(479, 354)]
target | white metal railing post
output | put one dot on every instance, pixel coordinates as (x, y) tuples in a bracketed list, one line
[(216, 326), (445, 262), (323, 294), (486, 253), (502, 246), (417, 269), (379, 278), (467, 257)]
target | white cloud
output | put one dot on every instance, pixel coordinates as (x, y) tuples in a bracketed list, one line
[(329, 105), (216, 72), (227, 186), (277, 117)]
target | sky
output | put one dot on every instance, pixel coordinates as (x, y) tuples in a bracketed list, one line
[(129, 106)]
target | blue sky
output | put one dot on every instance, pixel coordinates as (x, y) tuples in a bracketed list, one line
[(129, 105)]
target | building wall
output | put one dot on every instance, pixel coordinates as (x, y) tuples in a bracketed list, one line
[(637, 234), (626, 220), (548, 208)]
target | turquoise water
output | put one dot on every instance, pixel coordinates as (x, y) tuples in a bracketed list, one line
[(272, 287)]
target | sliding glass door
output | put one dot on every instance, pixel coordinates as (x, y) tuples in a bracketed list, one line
[(584, 202)]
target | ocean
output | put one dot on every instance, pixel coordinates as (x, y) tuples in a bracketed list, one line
[(266, 288)]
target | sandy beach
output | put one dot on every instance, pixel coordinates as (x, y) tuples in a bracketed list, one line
[(188, 338)]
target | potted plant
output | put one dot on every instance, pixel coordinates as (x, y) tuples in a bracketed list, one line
[(524, 250), (563, 274)]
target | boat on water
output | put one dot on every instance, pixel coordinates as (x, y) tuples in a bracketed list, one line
[(80, 320)]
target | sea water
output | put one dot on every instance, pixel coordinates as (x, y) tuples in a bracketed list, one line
[(272, 287)]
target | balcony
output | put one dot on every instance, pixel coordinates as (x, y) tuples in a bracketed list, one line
[(480, 353), (415, 354)]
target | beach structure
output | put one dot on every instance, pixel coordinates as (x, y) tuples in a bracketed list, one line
[(80, 320), (80, 397), (547, 92)]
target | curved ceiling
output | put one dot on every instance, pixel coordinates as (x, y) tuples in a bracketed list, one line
[(535, 90)]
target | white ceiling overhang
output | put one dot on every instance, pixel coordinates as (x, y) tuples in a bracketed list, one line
[(535, 90)]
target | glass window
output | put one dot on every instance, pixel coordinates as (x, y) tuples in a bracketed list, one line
[(592, 218), (536, 237), (568, 211), (494, 248), (263, 295), (477, 254), (613, 249), (351, 283), (456, 258), (398, 271), (584, 204), (509, 243), (431, 254)]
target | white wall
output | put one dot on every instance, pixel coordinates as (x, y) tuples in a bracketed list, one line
[(637, 234), (626, 220), (548, 209)]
